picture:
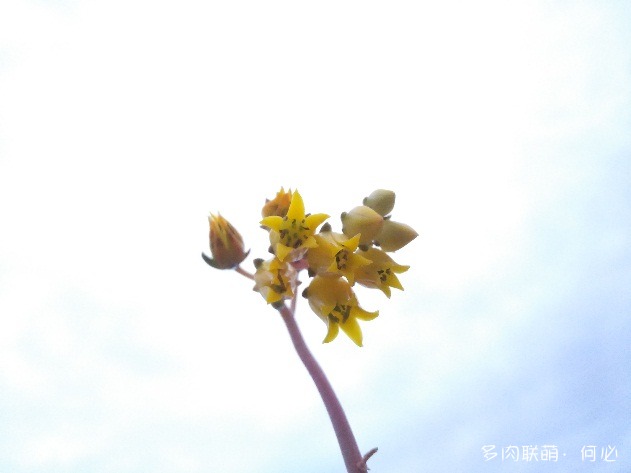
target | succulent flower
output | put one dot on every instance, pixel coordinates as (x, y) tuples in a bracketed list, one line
[(333, 300), (336, 255), (292, 235), (275, 280), (381, 273)]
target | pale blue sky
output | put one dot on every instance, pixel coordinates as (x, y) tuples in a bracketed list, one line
[(503, 127)]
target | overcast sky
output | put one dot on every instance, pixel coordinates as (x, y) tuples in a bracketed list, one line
[(503, 127)]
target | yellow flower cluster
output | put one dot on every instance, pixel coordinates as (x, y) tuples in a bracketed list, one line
[(335, 261)]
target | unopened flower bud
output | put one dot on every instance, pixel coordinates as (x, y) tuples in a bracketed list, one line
[(226, 244), (279, 205), (362, 220), (381, 201), (394, 236)]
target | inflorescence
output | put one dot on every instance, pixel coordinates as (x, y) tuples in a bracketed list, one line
[(335, 262)]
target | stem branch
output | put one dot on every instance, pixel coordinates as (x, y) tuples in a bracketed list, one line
[(243, 272)]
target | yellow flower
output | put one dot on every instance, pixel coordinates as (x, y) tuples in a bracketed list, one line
[(292, 235), (278, 205), (226, 244), (333, 300), (381, 273), (275, 280), (336, 255)]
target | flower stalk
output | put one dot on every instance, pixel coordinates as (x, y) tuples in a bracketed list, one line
[(353, 459)]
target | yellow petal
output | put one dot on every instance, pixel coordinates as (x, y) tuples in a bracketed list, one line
[(313, 221), (297, 207), (353, 330), (333, 330), (270, 295), (310, 242), (361, 314), (282, 251), (352, 243), (393, 281), (274, 222)]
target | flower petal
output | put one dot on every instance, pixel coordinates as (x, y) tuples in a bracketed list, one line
[(313, 221), (282, 251), (296, 207), (353, 330), (333, 329), (361, 314), (273, 221)]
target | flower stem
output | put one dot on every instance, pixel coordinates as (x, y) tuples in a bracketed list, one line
[(243, 272), (353, 459)]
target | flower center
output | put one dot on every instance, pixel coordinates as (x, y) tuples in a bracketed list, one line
[(343, 310), (341, 259), (281, 287), (293, 232), (384, 274)]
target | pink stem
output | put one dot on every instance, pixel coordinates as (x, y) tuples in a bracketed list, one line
[(348, 445), (243, 272)]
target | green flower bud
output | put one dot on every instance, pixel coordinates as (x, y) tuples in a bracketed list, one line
[(362, 220), (394, 236), (381, 201)]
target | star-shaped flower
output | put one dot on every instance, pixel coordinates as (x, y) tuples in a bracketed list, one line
[(381, 273), (275, 280), (292, 235), (336, 255), (333, 300)]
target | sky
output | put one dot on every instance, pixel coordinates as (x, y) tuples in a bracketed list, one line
[(503, 128)]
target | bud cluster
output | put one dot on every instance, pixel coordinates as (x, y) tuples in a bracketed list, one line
[(372, 221), (335, 262)]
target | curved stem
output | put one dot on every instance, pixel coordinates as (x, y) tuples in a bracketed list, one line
[(353, 459), (243, 272)]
